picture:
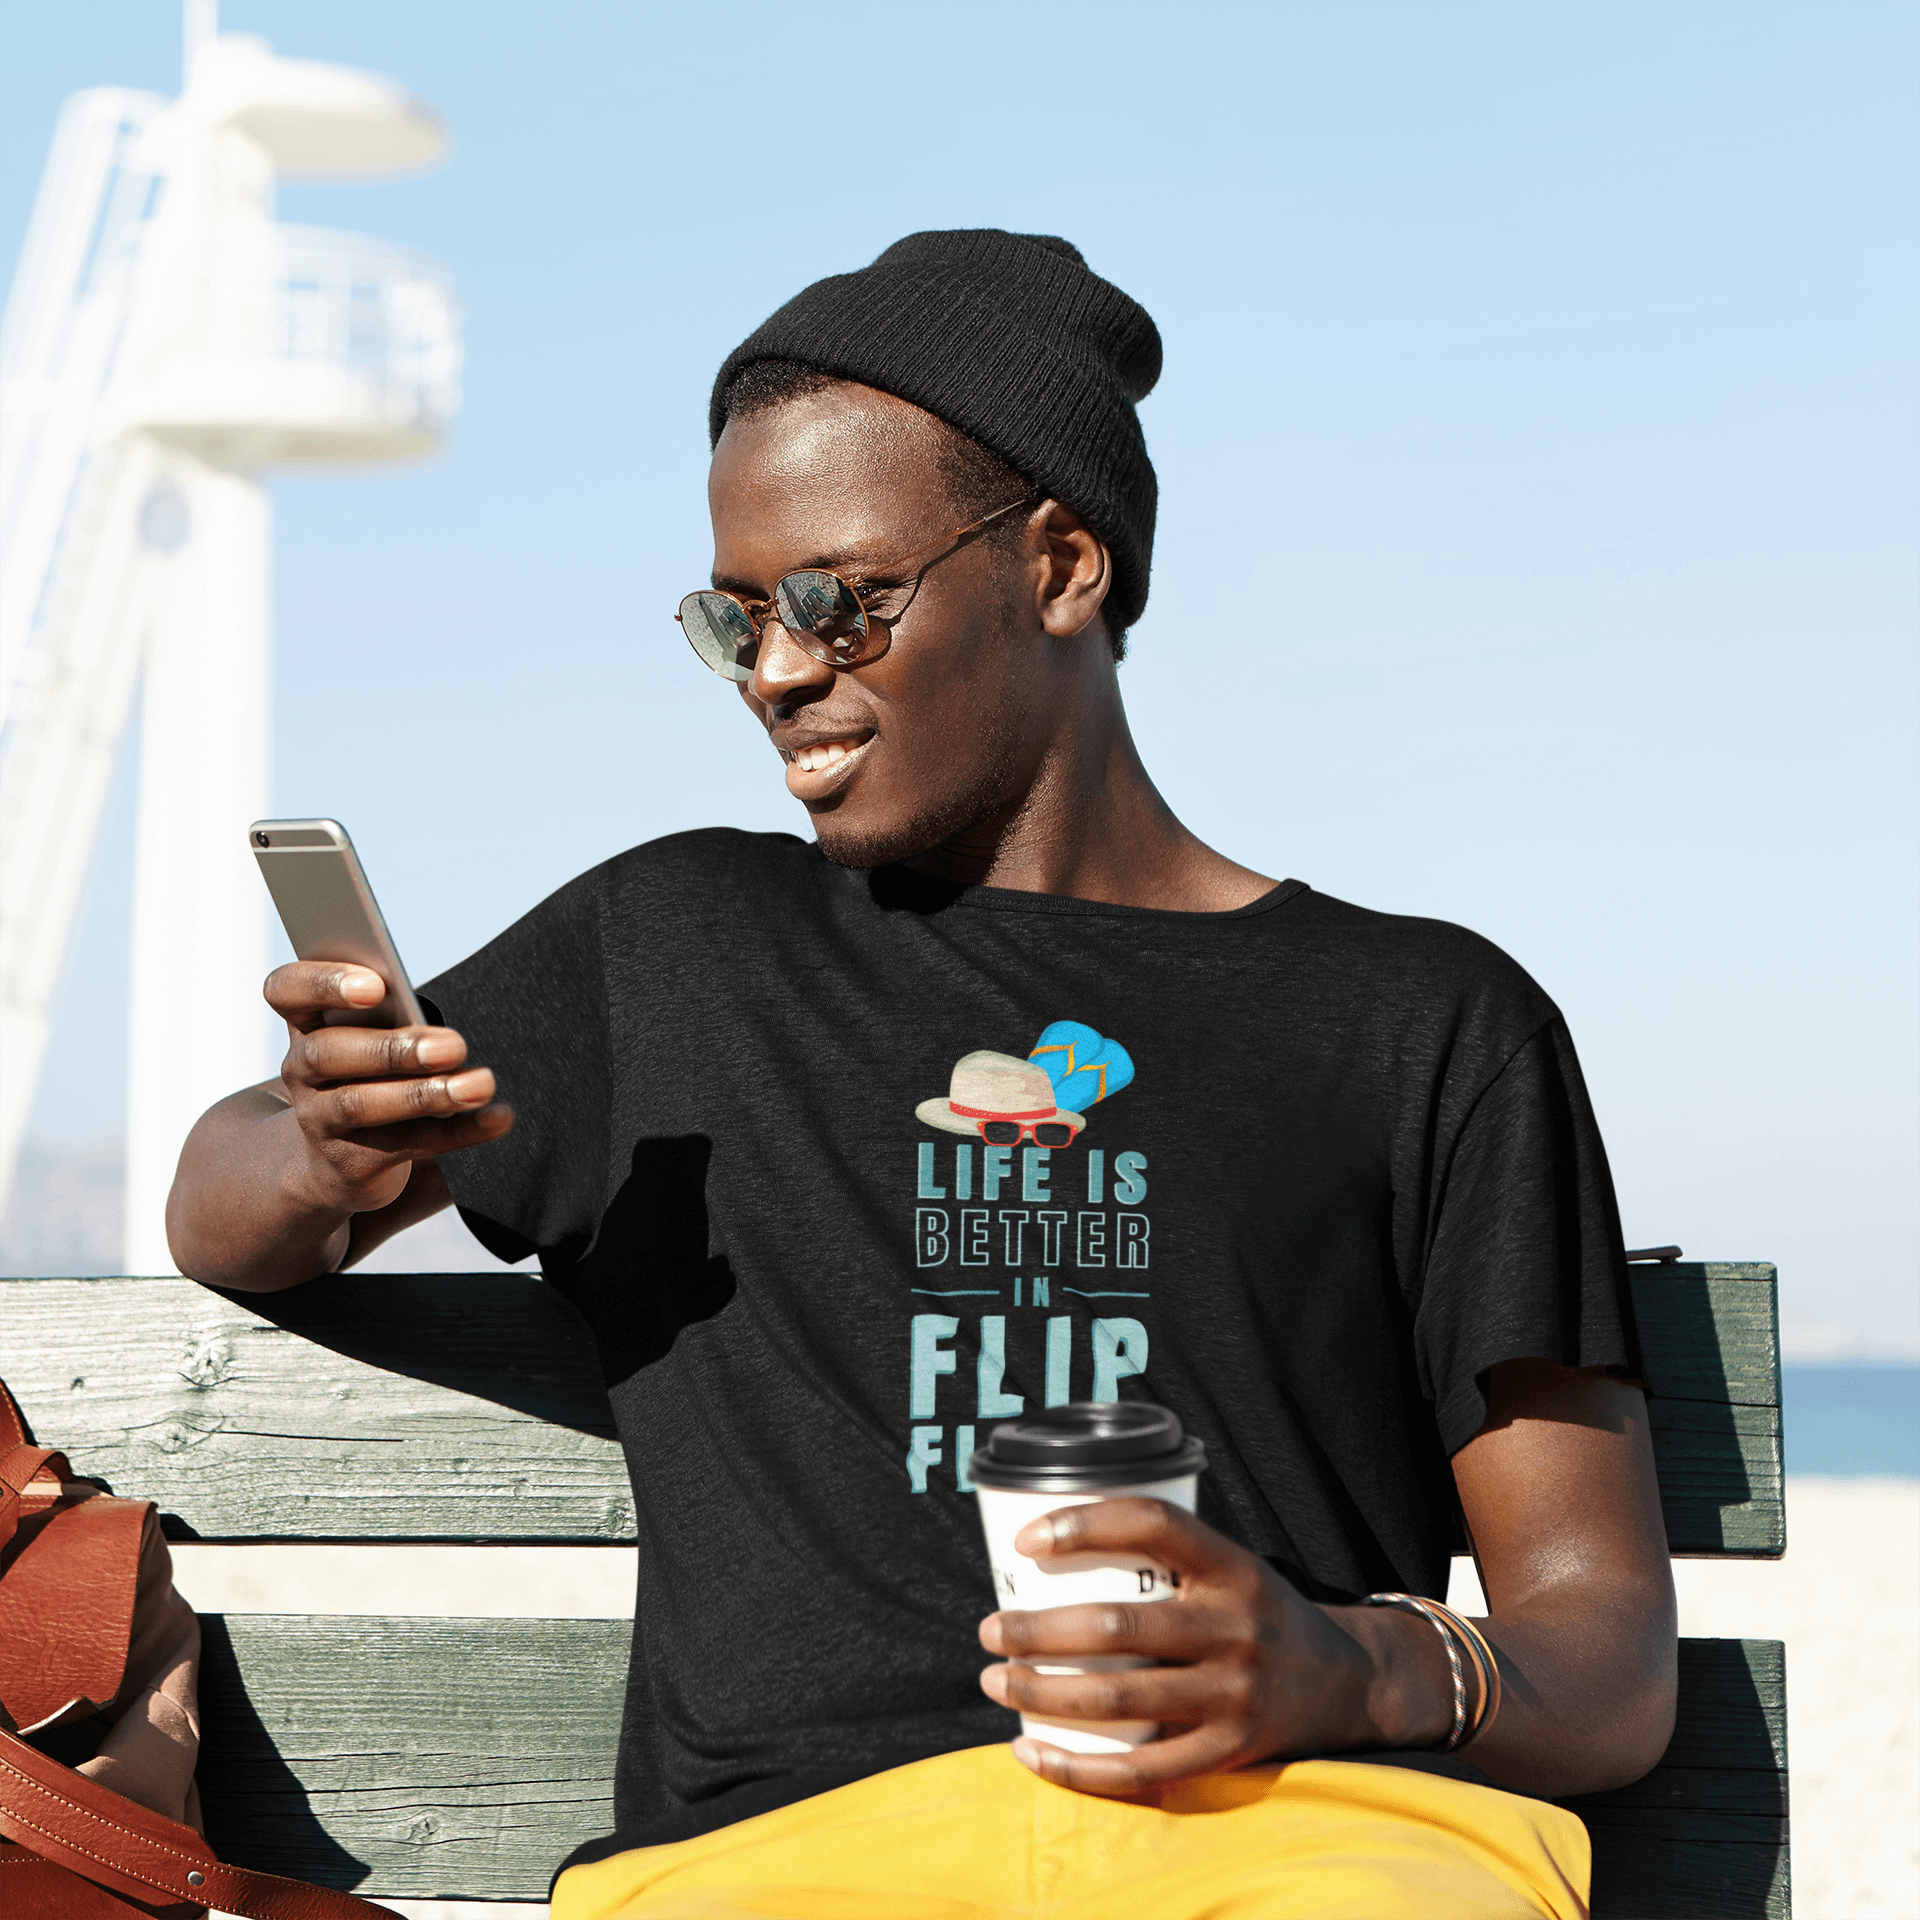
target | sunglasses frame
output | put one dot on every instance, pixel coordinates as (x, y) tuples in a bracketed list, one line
[(758, 612), (1028, 1130)]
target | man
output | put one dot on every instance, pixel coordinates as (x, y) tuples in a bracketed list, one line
[(1007, 1092)]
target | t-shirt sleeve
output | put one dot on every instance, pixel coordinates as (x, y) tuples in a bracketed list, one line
[(1525, 1258), (533, 1007)]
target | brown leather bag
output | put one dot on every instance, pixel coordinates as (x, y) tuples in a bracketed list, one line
[(91, 1630)]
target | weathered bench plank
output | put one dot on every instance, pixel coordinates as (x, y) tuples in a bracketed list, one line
[(468, 1407), (422, 1758), (1704, 1834), (1710, 1335), (412, 1757), (1722, 1491), (430, 1407), (1701, 1338)]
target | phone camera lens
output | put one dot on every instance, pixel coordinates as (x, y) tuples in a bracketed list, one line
[(261, 840)]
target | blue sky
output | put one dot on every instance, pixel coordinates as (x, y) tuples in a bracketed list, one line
[(1538, 493)]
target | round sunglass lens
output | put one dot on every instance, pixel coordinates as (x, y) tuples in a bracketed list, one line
[(820, 611), (1053, 1133), (1002, 1133), (720, 633)]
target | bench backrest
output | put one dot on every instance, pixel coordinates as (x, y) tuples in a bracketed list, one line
[(423, 1758), (468, 1406)]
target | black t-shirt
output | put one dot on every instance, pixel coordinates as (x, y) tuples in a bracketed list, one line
[(1301, 1172)]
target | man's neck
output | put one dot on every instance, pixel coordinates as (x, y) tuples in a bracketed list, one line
[(1091, 825)]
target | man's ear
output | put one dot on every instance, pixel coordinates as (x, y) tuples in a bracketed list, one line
[(1078, 573)]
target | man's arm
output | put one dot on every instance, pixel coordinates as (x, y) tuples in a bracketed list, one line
[(299, 1177), (1564, 1508)]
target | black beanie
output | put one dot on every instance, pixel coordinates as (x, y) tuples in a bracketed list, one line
[(1012, 339)]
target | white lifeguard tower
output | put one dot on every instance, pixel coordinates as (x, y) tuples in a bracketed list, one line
[(165, 341)]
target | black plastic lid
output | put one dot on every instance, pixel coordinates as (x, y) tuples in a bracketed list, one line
[(1087, 1444)]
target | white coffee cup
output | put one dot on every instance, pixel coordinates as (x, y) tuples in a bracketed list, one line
[(1072, 1456)]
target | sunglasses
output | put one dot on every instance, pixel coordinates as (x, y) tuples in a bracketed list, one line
[(1045, 1133), (824, 613)]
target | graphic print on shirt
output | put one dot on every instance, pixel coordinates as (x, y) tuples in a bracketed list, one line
[(1003, 1099), (1003, 1106)]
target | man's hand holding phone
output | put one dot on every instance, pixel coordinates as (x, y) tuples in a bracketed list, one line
[(294, 1178), (303, 1175), (370, 1102)]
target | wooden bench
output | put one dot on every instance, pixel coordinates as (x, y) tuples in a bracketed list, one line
[(462, 1758)]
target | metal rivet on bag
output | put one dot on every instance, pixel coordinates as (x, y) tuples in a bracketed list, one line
[(196, 1879)]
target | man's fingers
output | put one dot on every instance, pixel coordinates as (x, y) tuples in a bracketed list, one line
[(1163, 1629), (325, 1056), (423, 1139), (1124, 1776), (303, 990), (1184, 1695), (1155, 1529), (361, 1106)]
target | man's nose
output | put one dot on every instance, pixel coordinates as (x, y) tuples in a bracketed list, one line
[(783, 669)]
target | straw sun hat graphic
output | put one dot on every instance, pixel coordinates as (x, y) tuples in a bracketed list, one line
[(1001, 1098)]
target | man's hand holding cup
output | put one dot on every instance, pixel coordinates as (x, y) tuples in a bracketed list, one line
[(1144, 1647)]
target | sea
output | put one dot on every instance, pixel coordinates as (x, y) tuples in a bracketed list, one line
[(1851, 1418)]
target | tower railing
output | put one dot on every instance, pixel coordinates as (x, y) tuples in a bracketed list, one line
[(386, 313), (319, 346)]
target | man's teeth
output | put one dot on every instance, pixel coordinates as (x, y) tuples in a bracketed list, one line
[(817, 758)]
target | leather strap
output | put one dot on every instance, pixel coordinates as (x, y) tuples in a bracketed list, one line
[(67, 1589), (21, 1464), (13, 1424), (22, 1467), (35, 1889), (82, 1826)]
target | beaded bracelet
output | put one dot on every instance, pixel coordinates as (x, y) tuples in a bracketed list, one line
[(1458, 1637)]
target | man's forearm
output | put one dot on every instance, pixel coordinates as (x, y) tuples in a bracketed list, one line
[(1587, 1688), (240, 1214)]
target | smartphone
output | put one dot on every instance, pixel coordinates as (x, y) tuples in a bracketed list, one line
[(330, 913)]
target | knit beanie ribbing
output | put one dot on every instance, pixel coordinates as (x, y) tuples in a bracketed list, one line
[(1014, 340)]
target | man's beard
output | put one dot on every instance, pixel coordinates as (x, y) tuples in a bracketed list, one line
[(994, 786)]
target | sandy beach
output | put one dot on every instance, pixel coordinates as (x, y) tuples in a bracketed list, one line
[(1846, 1600)]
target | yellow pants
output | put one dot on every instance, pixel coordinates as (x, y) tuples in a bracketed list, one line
[(975, 1836)]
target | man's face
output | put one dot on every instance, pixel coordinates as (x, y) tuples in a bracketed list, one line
[(949, 726)]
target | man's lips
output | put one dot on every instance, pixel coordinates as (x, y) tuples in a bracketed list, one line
[(817, 761), (816, 752)]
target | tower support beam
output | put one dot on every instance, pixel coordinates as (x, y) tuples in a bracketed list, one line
[(196, 1026), (63, 747)]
